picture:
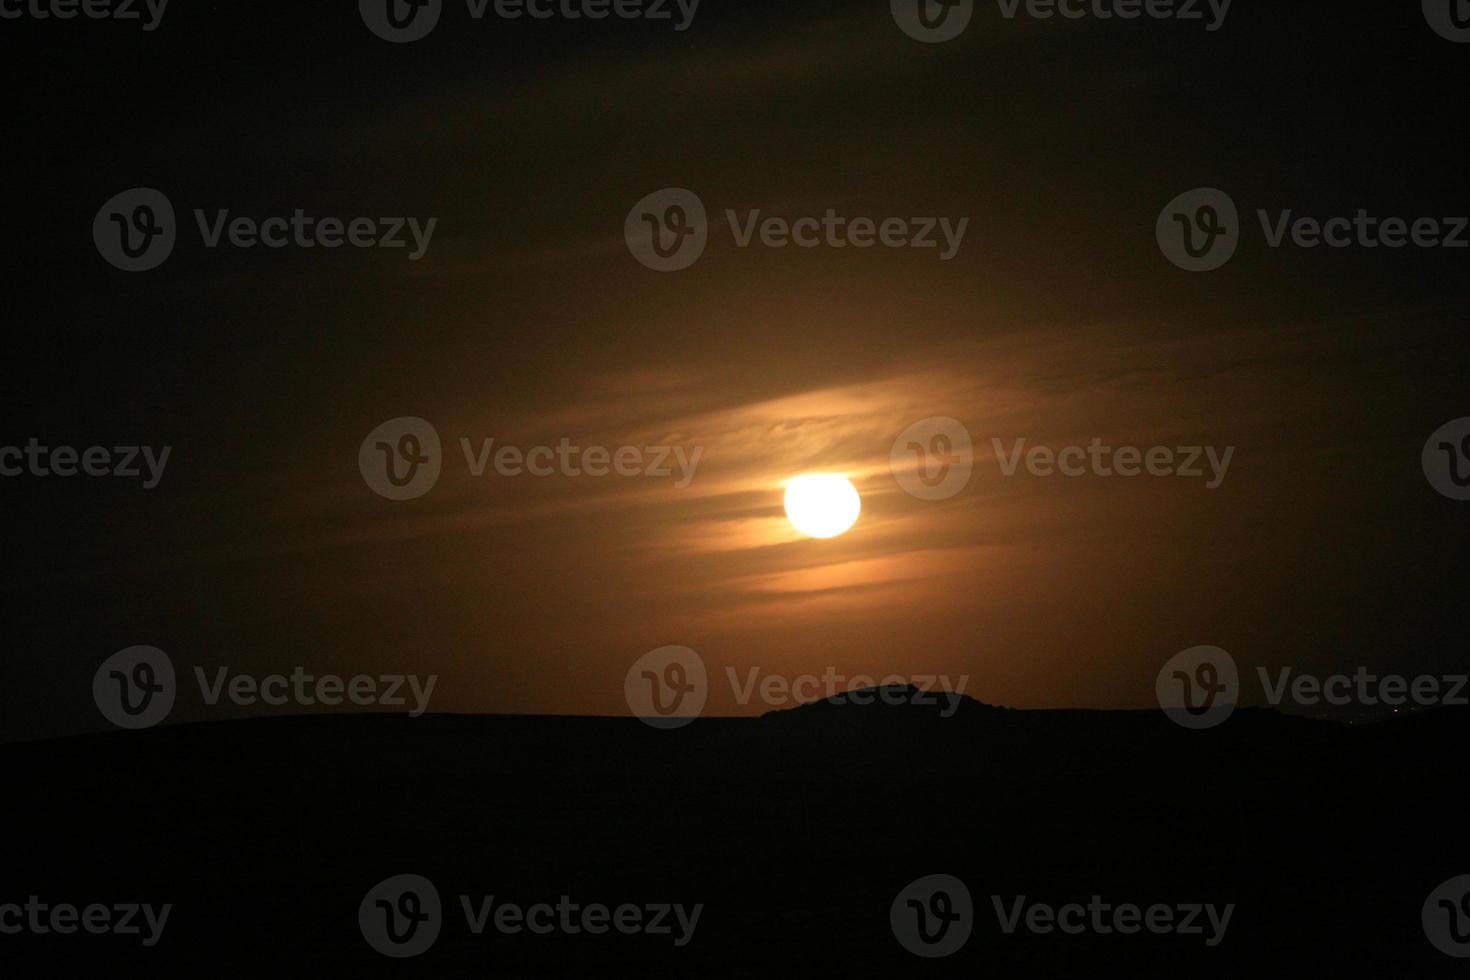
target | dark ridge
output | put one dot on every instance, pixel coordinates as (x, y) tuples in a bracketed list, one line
[(899, 697)]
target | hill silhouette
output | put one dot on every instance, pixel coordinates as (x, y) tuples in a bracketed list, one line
[(795, 830)]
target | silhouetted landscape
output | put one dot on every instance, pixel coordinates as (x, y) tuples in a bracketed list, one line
[(456, 455), (794, 830)]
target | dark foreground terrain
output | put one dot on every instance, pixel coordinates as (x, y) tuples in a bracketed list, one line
[(796, 832)]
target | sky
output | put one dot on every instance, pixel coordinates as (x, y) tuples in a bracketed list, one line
[(527, 320)]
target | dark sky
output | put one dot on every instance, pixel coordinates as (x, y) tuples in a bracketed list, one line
[(528, 321)]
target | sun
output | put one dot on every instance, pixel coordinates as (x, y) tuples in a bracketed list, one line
[(822, 505)]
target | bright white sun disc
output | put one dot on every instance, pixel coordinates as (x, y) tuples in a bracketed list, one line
[(822, 505)]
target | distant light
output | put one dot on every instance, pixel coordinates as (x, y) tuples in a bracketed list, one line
[(822, 505)]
